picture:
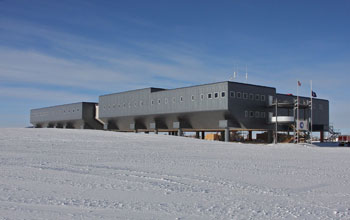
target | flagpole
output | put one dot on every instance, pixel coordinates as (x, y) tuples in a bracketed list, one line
[(311, 111), (298, 112)]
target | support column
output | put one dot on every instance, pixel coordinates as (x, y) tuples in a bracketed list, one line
[(250, 136), (270, 136), (321, 136), (82, 126), (203, 135), (180, 132), (227, 135), (222, 135), (105, 126), (197, 134)]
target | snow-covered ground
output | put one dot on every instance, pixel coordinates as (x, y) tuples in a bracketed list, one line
[(84, 174)]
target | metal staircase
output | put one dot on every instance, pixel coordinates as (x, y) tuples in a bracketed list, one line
[(333, 134)]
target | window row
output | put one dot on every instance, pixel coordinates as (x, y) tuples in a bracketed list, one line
[(65, 111), (256, 114), (250, 96), (166, 100)]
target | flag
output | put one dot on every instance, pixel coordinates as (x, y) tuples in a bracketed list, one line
[(299, 83), (313, 94)]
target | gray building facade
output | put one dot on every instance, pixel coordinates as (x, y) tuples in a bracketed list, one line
[(75, 115), (215, 106), (223, 106)]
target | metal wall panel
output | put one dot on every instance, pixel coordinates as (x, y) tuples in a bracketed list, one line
[(242, 107), (57, 113), (320, 110), (148, 102)]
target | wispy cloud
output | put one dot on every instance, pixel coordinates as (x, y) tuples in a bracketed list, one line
[(35, 95)]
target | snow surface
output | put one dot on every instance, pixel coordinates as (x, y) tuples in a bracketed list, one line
[(85, 174)]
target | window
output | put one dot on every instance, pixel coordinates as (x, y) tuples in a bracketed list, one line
[(158, 101), (181, 99), (232, 94), (209, 95), (202, 96), (118, 105), (262, 97), (239, 95), (152, 102), (174, 99), (135, 104), (245, 95), (257, 97), (251, 96), (223, 94), (216, 95), (124, 105), (166, 100), (251, 114), (192, 98), (257, 114), (141, 103), (246, 114), (262, 114)]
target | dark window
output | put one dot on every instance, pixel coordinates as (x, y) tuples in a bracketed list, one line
[(223, 94), (251, 96), (202, 96), (245, 95), (209, 95), (251, 114), (158, 101), (239, 95), (192, 98), (181, 99), (216, 95), (232, 94), (262, 97), (257, 97), (257, 114)]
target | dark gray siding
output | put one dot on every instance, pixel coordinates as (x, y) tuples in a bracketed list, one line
[(57, 113), (320, 110), (146, 102), (248, 105), (76, 115)]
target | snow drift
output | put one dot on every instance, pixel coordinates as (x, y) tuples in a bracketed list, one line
[(85, 174)]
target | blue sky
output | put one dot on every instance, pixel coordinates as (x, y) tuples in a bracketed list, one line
[(56, 52)]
